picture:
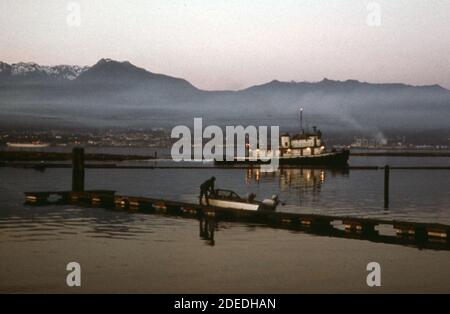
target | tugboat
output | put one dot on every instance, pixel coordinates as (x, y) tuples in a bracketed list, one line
[(304, 148)]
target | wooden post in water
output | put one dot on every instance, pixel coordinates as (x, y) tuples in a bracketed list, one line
[(386, 186), (78, 169)]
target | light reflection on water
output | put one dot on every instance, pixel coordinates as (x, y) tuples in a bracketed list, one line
[(415, 195), (133, 252)]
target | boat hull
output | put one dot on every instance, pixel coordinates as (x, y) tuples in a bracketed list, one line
[(333, 159), (27, 145), (231, 204)]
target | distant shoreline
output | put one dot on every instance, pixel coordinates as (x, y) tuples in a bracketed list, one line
[(7, 156), (30, 156), (402, 154)]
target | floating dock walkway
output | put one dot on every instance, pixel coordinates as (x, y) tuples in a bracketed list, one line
[(422, 235), (417, 234)]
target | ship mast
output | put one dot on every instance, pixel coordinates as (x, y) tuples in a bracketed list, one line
[(301, 120)]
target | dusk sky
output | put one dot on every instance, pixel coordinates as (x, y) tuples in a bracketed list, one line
[(234, 44)]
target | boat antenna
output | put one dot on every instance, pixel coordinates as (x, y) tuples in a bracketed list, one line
[(301, 120)]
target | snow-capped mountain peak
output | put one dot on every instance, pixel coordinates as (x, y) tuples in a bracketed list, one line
[(34, 70)]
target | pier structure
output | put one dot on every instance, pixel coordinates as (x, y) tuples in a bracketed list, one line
[(424, 235), (386, 187), (78, 169), (428, 235)]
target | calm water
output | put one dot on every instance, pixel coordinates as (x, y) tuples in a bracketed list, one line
[(123, 252)]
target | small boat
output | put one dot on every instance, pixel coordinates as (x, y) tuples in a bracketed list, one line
[(230, 199), (28, 145)]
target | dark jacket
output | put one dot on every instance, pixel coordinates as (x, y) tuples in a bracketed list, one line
[(208, 185)]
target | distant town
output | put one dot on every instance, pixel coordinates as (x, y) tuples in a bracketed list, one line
[(93, 138), (397, 142), (159, 137)]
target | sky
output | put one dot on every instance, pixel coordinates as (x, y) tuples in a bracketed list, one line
[(229, 44)]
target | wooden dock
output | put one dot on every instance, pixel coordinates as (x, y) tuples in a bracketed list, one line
[(422, 235)]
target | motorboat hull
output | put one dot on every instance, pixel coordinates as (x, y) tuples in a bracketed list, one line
[(231, 204)]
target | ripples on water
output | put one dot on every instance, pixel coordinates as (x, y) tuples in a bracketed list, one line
[(119, 250), (419, 195), (49, 223)]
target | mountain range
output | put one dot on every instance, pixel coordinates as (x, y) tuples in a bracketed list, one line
[(22, 72), (119, 94)]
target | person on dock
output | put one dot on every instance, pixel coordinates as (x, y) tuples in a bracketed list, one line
[(206, 189)]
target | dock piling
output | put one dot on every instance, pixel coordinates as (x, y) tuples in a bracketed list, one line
[(78, 169), (386, 186)]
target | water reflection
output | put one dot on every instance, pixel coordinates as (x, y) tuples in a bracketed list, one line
[(55, 222), (300, 179), (207, 228)]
